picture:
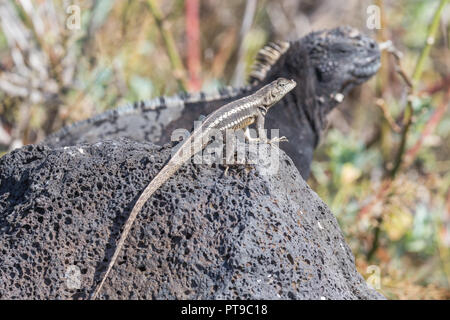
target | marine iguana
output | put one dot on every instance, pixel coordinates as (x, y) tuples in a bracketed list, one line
[(327, 63), (235, 115)]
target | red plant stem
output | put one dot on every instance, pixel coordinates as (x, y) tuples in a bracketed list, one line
[(193, 44)]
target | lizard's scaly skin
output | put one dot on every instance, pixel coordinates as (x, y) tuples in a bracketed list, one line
[(234, 115)]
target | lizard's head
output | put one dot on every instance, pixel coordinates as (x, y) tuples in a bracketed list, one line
[(275, 91), (342, 57)]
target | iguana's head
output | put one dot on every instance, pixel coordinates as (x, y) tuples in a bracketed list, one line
[(326, 63), (342, 57), (275, 91)]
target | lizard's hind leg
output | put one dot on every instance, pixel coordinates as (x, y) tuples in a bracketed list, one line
[(230, 161), (234, 158), (245, 166)]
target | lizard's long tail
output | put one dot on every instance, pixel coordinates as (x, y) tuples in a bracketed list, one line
[(166, 172)]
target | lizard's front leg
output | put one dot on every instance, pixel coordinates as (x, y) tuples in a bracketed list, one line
[(262, 136), (231, 143), (249, 138)]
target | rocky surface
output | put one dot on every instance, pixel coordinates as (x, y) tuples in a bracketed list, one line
[(203, 235)]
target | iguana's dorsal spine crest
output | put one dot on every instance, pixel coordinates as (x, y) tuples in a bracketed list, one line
[(175, 101), (266, 58)]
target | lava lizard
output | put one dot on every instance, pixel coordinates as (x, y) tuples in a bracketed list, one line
[(235, 115)]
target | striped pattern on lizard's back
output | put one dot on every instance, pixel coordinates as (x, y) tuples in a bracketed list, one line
[(156, 112)]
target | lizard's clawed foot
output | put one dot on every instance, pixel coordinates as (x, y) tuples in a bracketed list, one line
[(277, 140), (249, 168), (246, 167)]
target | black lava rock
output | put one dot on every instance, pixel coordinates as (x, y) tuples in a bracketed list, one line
[(203, 235)]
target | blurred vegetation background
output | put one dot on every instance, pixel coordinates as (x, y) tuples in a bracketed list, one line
[(383, 166)]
